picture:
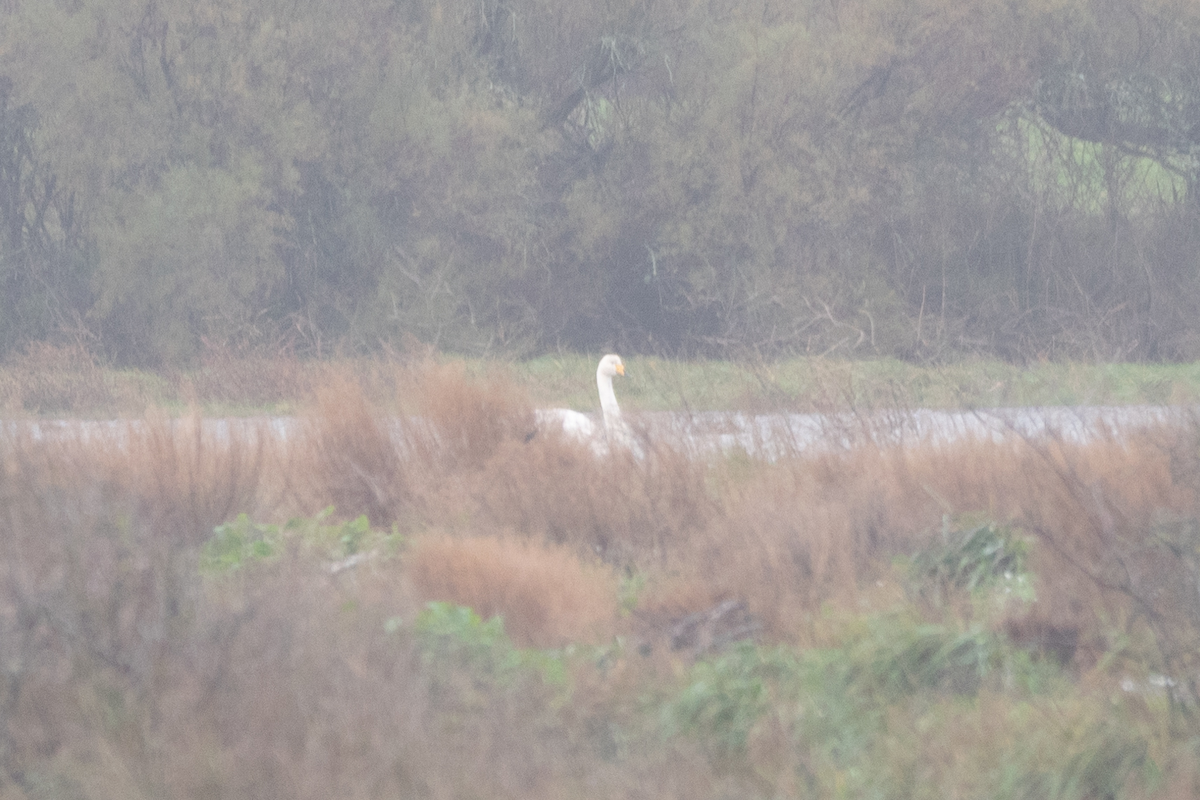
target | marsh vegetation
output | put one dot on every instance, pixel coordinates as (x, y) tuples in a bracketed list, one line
[(485, 612)]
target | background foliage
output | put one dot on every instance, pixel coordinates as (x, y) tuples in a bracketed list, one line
[(863, 177)]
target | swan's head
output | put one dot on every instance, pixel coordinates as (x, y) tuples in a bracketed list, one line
[(611, 365)]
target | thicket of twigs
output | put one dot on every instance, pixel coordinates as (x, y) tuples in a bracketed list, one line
[(860, 178)]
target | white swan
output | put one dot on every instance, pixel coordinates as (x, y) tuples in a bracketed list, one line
[(615, 429), (580, 426)]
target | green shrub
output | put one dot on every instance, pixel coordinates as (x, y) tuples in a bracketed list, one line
[(973, 557), (453, 636), (835, 702), (237, 543), (723, 699)]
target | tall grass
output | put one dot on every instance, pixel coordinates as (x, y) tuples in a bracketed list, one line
[(889, 654)]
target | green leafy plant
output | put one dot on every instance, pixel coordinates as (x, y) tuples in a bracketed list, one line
[(242, 541), (974, 557), (631, 586), (238, 542), (897, 658), (723, 699), (457, 636), (353, 533), (835, 700)]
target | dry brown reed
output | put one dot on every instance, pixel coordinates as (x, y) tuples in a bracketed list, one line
[(187, 477), (47, 379), (469, 419), (546, 595), (100, 535), (626, 510), (355, 457), (348, 458)]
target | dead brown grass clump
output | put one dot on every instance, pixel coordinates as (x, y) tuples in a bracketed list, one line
[(347, 457), (181, 475), (469, 418), (355, 457), (188, 476), (545, 594), (629, 511), (785, 545)]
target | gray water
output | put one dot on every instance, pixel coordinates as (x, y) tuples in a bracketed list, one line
[(770, 435), (762, 435)]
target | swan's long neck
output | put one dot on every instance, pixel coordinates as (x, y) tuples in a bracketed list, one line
[(608, 402)]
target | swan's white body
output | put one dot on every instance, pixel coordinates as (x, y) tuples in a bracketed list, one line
[(580, 426), (573, 424)]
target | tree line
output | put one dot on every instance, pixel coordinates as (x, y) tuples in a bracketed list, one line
[(912, 178)]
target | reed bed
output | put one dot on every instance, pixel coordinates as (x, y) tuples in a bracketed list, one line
[(453, 603)]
